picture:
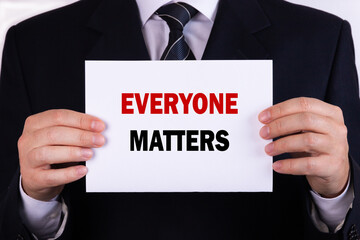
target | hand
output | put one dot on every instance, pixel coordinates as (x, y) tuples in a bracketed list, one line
[(50, 144), (317, 131)]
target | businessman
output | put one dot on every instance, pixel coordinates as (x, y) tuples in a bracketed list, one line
[(315, 121)]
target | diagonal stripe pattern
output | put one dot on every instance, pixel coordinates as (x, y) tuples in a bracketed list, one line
[(177, 15)]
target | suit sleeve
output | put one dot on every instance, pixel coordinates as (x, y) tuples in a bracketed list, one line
[(343, 91), (14, 108)]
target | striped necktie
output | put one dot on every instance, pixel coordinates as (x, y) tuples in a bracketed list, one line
[(177, 15)]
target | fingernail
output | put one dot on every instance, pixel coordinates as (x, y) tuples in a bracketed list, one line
[(265, 132), (264, 116), (97, 125), (269, 148), (98, 140), (82, 170), (277, 165), (86, 153)]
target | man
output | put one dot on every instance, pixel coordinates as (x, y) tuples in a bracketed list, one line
[(43, 70)]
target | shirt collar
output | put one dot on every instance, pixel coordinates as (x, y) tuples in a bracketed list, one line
[(147, 7)]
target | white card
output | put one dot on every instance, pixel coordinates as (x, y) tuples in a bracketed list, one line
[(179, 126)]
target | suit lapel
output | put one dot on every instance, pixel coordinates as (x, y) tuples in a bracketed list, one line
[(118, 25), (119, 37), (232, 36)]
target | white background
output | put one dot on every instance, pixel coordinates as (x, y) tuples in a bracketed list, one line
[(13, 11)]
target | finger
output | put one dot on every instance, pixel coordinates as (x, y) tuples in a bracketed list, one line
[(63, 117), (49, 155), (298, 166), (298, 123), (321, 166), (66, 136), (298, 105), (57, 177), (305, 142)]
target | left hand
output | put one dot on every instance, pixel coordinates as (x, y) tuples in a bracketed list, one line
[(316, 130)]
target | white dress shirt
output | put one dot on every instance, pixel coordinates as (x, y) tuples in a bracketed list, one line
[(44, 219)]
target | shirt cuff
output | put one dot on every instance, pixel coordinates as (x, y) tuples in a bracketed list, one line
[(329, 214), (43, 219)]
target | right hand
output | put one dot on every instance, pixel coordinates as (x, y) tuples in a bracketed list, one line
[(56, 137)]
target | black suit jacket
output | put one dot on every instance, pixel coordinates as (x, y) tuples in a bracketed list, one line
[(43, 68)]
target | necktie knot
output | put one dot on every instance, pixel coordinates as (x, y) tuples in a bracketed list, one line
[(177, 15)]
